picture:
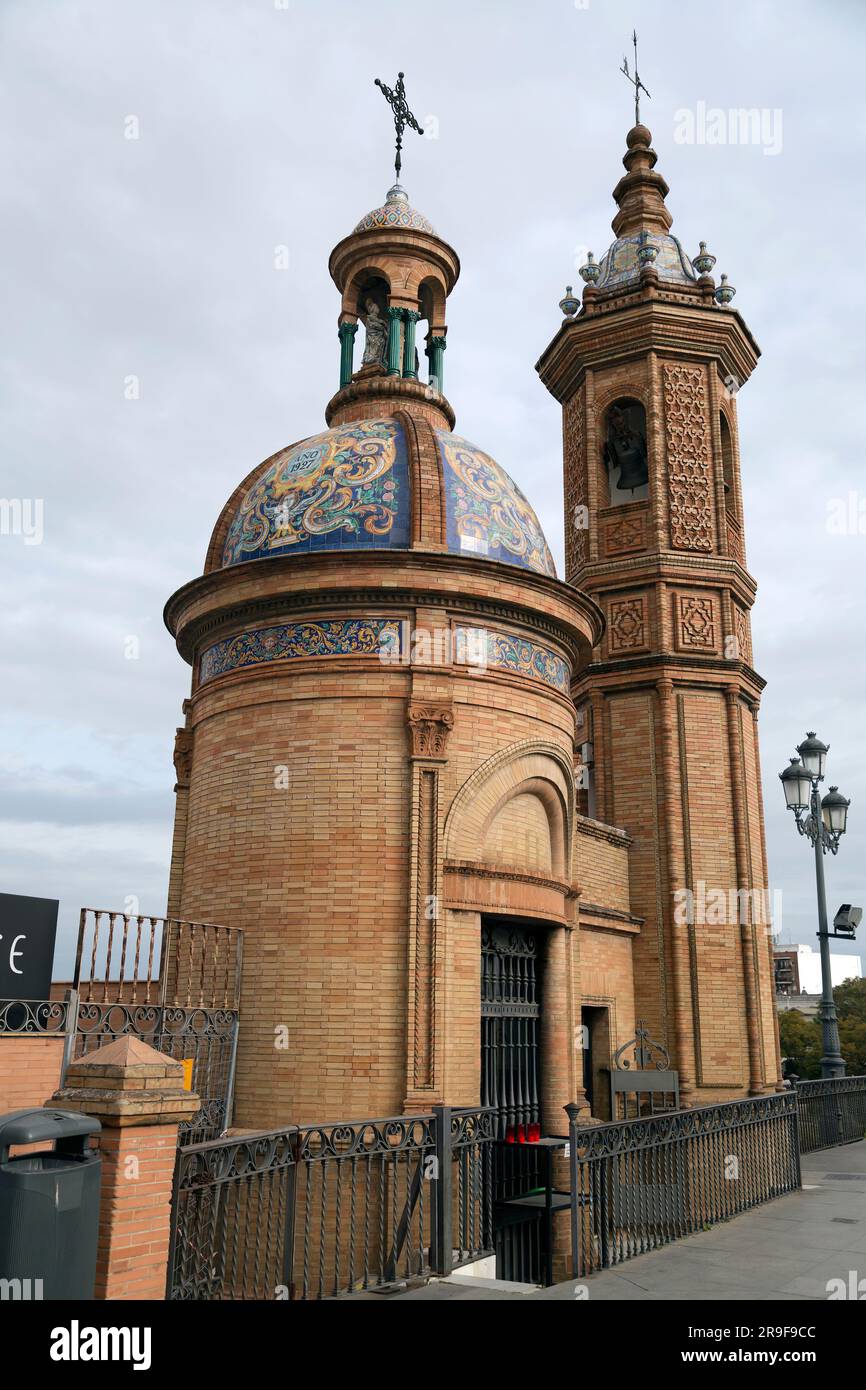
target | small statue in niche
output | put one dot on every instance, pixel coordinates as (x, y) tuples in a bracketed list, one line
[(377, 336), (626, 447)]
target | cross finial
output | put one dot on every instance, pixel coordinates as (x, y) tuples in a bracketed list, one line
[(396, 99), (635, 81)]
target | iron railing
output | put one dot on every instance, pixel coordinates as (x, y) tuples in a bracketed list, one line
[(327, 1210), (233, 1218), (644, 1183), (48, 1017), (144, 961), (174, 984), (831, 1112)]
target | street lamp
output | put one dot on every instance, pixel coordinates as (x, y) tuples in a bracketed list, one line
[(823, 826)]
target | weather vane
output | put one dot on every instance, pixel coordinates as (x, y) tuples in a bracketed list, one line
[(635, 81), (396, 99)]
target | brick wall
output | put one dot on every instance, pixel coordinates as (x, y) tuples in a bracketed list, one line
[(29, 1071)]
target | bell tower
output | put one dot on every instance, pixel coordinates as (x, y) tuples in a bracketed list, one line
[(647, 369)]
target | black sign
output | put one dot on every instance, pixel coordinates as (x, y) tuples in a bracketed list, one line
[(28, 927)]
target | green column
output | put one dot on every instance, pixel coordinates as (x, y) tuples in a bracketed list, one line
[(411, 317), (346, 333), (394, 319), (437, 363)]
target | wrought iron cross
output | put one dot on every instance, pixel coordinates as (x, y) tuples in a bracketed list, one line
[(635, 81), (396, 99)]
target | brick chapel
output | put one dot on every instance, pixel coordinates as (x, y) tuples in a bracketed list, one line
[(450, 797)]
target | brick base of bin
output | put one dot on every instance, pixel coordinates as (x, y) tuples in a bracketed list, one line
[(137, 1094)]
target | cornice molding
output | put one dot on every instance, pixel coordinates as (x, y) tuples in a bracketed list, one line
[(384, 596), (599, 830), (608, 914), (469, 868), (625, 329)]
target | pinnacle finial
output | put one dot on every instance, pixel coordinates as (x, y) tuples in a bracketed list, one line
[(396, 99), (635, 81)]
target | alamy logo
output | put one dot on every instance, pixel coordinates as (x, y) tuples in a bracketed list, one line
[(77, 1343), (20, 1290), (854, 1288)]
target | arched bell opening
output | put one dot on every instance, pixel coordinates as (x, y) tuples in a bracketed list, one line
[(431, 331), (625, 462), (728, 468)]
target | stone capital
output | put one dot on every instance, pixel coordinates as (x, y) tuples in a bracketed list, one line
[(127, 1083), (182, 757), (430, 725)]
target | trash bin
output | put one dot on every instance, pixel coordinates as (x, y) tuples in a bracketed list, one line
[(49, 1205)]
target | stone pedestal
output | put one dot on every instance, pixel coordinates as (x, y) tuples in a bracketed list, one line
[(137, 1094)]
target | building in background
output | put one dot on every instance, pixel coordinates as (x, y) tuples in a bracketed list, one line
[(798, 976)]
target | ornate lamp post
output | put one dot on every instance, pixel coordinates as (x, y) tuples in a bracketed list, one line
[(823, 826)]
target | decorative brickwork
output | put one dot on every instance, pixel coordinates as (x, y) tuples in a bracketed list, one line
[(627, 624), (688, 452), (743, 636), (625, 535), (735, 543), (696, 623), (576, 534), (426, 914)]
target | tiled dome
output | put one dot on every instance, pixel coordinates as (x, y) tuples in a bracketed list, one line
[(396, 211), (344, 489), (486, 513), (620, 265), (349, 488)]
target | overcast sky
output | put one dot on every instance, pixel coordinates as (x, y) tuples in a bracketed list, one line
[(259, 127)]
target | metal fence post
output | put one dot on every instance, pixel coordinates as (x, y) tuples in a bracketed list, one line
[(795, 1139), (443, 1254), (572, 1111), (230, 1079), (71, 1031), (289, 1228)]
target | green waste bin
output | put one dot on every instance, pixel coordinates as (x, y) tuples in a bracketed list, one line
[(49, 1206)]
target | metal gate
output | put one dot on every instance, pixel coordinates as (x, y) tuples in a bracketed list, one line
[(324, 1211), (511, 1084), (175, 985)]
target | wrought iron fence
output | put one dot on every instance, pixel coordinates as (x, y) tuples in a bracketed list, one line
[(327, 1210), (48, 1017), (233, 1218), (831, 1112), (174, 984), (644, 1183)]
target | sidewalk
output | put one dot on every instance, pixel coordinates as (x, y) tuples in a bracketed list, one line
[(788, 1249)]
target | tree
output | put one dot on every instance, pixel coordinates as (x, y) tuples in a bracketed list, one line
[(800, 1042), (850, 1000)]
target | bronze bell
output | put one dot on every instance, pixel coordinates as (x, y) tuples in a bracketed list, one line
[(633, 469)]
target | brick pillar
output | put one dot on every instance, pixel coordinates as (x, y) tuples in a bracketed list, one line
[(137, 1094)]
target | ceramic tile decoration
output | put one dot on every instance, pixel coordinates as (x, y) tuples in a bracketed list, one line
[(484, 647), (293, 641), (344, 489), (395, 214), (621, 264), (486, 513)]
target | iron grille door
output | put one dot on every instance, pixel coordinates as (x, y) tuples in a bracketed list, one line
[(510, 1017), (511, 1084)]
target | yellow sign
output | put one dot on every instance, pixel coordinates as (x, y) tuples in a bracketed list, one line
[(187, 1073)]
